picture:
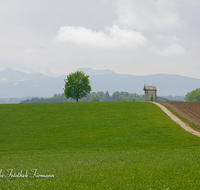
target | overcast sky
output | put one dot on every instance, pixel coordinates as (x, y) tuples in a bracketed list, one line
[(138, 37)]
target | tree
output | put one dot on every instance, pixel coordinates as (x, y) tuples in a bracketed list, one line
[(116, 96), (100, 94), (106, 97), (193, 96), (126, 94), (77, 85), (94, 99)]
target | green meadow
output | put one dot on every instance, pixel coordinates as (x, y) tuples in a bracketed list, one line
[(95, 145)]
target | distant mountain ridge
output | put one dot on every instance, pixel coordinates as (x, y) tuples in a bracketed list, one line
[(90, 72), (39, 85), (10, 75)]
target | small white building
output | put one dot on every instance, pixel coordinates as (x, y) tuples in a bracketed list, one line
[(150, 93)]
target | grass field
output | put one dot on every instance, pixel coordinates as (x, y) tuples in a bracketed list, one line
[(96, 145)]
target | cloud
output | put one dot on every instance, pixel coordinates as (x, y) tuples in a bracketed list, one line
[(173, 49), (112, 37), (166, 38), (147, 14), (29, 51), (3, 80), (16, 83), (190, 2)]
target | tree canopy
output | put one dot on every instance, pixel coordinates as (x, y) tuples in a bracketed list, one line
[(94, 99), (77, 85), (193, 96)]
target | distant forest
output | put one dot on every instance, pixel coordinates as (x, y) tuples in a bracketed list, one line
[(94, 97)]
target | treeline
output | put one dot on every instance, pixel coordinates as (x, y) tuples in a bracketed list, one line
[(93, 97)]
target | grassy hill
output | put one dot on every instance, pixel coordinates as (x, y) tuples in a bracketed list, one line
[(96, 145)]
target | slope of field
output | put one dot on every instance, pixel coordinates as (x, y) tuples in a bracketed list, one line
[(188, 110), (87, 125), (96, 145)]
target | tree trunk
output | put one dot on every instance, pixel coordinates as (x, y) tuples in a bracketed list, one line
[(76, 99)]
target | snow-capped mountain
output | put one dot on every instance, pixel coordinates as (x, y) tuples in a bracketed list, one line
[(90, 72), (10, 75)]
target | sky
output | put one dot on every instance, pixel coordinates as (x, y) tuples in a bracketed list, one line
[(56, 37)]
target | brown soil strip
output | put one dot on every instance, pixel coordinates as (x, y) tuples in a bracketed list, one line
[(177, 120), (188, 110)]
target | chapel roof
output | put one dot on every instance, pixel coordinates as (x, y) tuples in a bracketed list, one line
[(150, 88)]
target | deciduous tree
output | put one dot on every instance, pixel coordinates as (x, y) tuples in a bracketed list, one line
[(193, 96), (77, 85)]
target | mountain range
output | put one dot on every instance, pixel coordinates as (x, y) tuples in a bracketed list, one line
[(16, 84)]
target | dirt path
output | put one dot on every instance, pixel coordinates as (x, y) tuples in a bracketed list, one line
[(177, 120)]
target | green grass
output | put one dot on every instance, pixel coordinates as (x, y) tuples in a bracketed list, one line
[(96, 145)]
